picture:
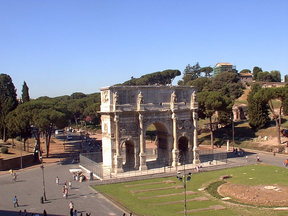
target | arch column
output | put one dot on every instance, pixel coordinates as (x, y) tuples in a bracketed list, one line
[(142, 155), (196, 159), (175, 151), (118, 160)]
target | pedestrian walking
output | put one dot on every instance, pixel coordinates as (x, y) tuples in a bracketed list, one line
[(66, 193), (71, 205), (44, 213), (15, 202), (14, 176), (57, 180), (70, 184)]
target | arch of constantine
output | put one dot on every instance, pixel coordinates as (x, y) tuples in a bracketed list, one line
[(128, 111)]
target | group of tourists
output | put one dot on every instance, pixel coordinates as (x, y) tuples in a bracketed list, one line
[(238, 152), (25, 213), (66, 187), (74, 212)]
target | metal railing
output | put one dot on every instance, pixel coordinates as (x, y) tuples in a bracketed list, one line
[(93, 163)]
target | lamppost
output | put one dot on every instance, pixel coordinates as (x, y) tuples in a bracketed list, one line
[(43, 182), (184, 178)]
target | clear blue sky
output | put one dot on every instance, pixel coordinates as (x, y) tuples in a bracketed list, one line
[(63, 46)]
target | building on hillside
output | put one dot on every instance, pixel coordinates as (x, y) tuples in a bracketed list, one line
[(223, 67), (240, 112), (272, 84), (246, 77)]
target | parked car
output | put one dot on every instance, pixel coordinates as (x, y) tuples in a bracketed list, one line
[(59, 131)]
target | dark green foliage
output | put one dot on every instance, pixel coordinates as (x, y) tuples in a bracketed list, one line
[(201, 83), (8, 101), (158, 78), (267, 95), (207, 71), (273, 76), (257, 109), (264, 77), (224, 117), (276, 75), (191, 73), (25, 93), (228, 84), (209, 103), (255, 72), (83, 107), (194, 71), (44, 115), (78, 95), (4, 150), (245, 71), (18, 124)]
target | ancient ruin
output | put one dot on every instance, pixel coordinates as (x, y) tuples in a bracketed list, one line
[(127, 111)]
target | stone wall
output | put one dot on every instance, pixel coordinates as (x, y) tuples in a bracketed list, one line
[(15, 163)]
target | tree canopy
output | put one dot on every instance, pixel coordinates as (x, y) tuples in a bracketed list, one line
[(255, 72), (8, 101), (158, 78), (267, 95), (273, 76), (211, 102), (257, 109), (245, 71), (25, 93), (227, 83)]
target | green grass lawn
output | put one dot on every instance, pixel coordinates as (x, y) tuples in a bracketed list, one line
[(141, 198)]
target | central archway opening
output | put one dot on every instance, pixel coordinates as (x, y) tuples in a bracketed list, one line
[(157, 148), (128, 152), (183, 150)]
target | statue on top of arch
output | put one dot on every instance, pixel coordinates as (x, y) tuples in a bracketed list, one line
[(173, 97), (115, 98), (140, 98)]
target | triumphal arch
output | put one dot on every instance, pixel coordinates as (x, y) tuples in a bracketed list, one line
[(127, 111)]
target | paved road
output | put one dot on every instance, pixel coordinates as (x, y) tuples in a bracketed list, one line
[(265, 157), (29, 189)]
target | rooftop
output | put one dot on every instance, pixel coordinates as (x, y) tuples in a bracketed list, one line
[(223, 64)]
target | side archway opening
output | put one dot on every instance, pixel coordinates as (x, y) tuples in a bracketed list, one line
[(183, 150), (128, 152)]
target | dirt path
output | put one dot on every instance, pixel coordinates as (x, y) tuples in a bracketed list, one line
[(265, 195)]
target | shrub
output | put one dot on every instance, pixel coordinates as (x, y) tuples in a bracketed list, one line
[(213, 187), (4, 150), (18, 138)]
